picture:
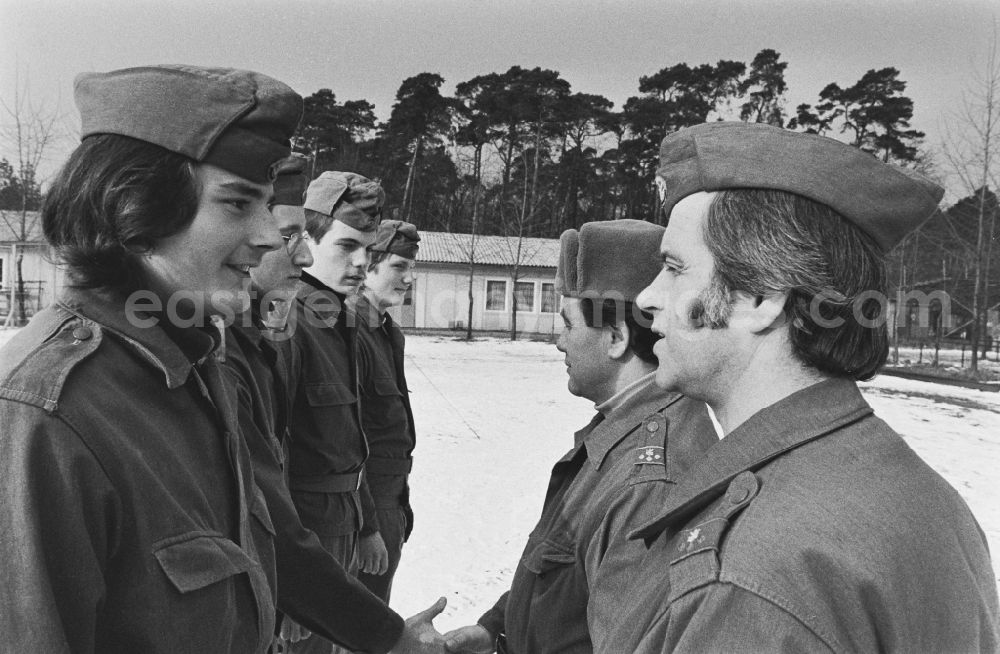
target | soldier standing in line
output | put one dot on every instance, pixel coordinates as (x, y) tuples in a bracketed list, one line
[(811, 526), (385, 402), (327, 446), (132, 522), (313, 587), (579, 562)]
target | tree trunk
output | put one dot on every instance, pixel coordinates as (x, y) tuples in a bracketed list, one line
[(9, 322), (476, 176), (977, 286), (21, 314), (986, 272), (408, 189)]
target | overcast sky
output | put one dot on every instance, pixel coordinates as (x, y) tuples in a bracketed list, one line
[(365, 48)]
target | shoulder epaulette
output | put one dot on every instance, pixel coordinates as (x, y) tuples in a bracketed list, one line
[(35, 363), (695, 559), (649, 456)]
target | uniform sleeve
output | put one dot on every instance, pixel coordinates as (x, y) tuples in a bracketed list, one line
[(612, 563), (61, 519), (494, 619), (369, 516), (726, 618), (313, 587)]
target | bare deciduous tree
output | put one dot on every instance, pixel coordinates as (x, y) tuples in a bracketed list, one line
[(31, 129), (972, 150)]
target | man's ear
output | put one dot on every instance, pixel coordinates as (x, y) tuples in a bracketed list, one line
[(759, 313), (618, 345)]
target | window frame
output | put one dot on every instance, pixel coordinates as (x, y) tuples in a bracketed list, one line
[(556, 299), (486, 294), (534, 295)]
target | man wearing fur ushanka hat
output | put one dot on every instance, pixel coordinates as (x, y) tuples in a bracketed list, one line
[(579, 563), (811, 526)]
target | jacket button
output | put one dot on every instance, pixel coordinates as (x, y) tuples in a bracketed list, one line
[(737, 495), (743, 487), (652, 426), (82, 333)]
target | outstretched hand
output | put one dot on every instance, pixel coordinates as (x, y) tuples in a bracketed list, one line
[(419, 635), (473, 639)]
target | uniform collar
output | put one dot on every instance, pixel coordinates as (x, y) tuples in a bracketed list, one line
[(322, 300), (801, 417), (368, 314), (625, 395), (249, 325), (174, 351), (631, 407)]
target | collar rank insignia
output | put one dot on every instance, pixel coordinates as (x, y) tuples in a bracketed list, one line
[(651, 454)]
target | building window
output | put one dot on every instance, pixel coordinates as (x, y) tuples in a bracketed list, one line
[(524, 295), (550, 303), (496, 295)]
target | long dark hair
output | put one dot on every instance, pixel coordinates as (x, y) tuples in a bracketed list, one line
[(111, 201)]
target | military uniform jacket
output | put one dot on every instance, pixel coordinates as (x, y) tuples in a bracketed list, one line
[(131, 520), (385, 408), (326, 445), (578, 562), (313, 587), (813, 527)]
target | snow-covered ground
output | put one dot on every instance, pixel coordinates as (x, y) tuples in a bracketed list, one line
[(492, 416)]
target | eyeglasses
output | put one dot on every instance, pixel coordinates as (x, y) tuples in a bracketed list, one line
[(292, 241)]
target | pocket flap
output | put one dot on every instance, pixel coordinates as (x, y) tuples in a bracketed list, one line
[(329, 394), (201, 560), (548, 556), (385, 386)]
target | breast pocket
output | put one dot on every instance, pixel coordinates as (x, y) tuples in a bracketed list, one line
[(383, 408), (198, 560), (385, 387), (329, 394), (549, 557)]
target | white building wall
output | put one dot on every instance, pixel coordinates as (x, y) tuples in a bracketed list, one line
[(36, 266), (441, 299)]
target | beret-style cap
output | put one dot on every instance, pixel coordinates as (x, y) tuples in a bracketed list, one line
[(291, 180), (348, 197), (883, 200), (397, 237), (613, 259), (238, 120)]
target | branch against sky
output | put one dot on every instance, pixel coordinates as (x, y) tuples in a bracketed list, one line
[(29, 130), (971, 143)]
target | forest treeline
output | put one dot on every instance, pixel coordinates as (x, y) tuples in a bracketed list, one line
[(521, 153)]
